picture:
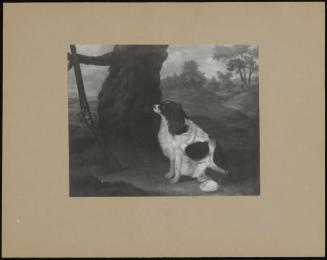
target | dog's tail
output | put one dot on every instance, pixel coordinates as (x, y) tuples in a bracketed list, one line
[(212, 165)]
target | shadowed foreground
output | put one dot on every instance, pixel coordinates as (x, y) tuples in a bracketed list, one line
[(236, 131)]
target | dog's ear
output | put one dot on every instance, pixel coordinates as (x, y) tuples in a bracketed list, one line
[(181, 110), (177, 124)]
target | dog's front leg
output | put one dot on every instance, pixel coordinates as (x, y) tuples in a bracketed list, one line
[(177, 168), (221, 170), (171, 172)]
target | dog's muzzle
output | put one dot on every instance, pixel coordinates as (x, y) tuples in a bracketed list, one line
[(156, 108)]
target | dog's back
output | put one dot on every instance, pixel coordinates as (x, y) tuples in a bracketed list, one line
[(197, 151)]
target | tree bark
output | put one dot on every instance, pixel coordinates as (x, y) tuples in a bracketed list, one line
[(129, 92), (249, 79)]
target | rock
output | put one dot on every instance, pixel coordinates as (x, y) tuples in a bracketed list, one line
[(209, 186)]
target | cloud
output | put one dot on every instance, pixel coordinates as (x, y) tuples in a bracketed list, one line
[(210, 67), (202, 54)]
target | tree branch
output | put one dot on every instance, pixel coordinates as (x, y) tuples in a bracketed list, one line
[(103, 60)]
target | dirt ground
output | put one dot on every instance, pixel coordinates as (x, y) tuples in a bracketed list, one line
[(237, 132)]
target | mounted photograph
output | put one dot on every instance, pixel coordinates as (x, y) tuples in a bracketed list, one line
[(163, 120)]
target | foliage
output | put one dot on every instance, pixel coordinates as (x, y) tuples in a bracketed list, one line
[(191, 77), (239, 59), (212, 84), (226, 83), (171, 82)]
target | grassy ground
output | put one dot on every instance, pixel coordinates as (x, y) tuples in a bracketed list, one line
[(233, 121)]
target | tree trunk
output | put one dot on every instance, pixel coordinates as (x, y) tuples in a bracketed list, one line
[(129, 92), (242, 78), (245, 79), (249, 79)]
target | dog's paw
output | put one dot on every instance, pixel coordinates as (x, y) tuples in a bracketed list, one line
[(203, 178), (169, 175), (174, 180)]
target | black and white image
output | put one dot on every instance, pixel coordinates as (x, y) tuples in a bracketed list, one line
[(163, 120)]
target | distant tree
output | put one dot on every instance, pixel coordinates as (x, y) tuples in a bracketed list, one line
[(165, 83), (239, 59), (176, 81), (212, 84), (224, 77), (171, 82), (191, 77), (255, 80), (225, 81)]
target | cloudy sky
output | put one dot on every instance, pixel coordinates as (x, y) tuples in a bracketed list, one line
[(93, 76)]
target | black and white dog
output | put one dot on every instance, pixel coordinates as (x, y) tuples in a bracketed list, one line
[(189, 149)]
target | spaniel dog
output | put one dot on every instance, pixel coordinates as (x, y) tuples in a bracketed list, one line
[(189, 149)]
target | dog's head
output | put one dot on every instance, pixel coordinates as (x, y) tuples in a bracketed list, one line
[(174, 114)]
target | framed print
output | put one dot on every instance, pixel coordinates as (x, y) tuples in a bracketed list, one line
[(163, 129)]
